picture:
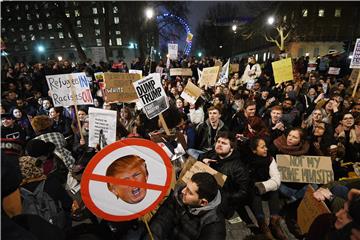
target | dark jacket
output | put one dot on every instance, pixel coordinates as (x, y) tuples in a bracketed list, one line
[(203, 135), (176, 221), (236, 188)]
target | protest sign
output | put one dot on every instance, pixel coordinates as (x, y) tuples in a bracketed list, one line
[(69, 89), (180, 72), (119, 87), (334, 71), (354, 75), (152, 95), (191, 93), (202, 167), (173, 51), (99, 54), (234, 67), (105, 120), (189, 37), (311, 67), (309, 209), (126, 179), (99, 76), (134, 71), (224, 74), (283, 70), (355, 61), (305, 169), (209, 76)]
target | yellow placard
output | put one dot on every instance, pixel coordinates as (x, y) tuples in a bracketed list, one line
[(283, 70)]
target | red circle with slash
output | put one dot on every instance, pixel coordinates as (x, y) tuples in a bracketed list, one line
[(89, 175)]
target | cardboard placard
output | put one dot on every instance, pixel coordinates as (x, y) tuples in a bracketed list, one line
[(152, 95), (202, 167), (309, 209), (134, 71), (180, 72), (334, 71), (209, 76), (173, 51), (69, 89), (355, 61), (283, 70), (235, 67), (354, 75), (105, 120), (119, 87), (191, 93), (305, 169)]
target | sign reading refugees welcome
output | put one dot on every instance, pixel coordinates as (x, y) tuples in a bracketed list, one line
[(69, 89), (119, 87), (151, 95), (305, 169)]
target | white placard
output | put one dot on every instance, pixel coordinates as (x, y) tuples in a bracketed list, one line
[(355, 61), (136, 72), (101, 119), (69, 89), (173, 51), (334, 71)]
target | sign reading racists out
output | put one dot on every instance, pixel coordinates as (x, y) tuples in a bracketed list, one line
[(355, 61), (202, 167), (283, 70), (151, 95), (305, 169), (126, 179), (173, 51), (180, 72), (191, 93), (119, 87), (209, 76), (105, 120), (69, 89), (334, 71), (309, 209)]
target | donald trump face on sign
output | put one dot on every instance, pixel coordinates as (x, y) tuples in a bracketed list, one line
[(131, 168)]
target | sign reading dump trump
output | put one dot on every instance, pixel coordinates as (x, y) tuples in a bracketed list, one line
[(151, 95), (69, 89), (305, 169), (126, 179)]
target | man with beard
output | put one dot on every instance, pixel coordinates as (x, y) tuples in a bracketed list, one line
[(191, 212), (291, 114), (225, 159)]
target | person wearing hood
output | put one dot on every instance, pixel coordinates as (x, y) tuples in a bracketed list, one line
[(191, 212), (225, 159)]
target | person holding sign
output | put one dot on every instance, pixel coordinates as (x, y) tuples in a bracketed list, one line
[(251, 73), (132, 168), (191, 212), (266, 177)]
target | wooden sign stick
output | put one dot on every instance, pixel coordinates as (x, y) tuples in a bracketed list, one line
[(148, 229), (356, 85), (163, 124), (73, 93)]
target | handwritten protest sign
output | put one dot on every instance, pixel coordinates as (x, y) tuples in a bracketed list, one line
[(191, 93), (152, 95), (134, 71), (173, 51), (101, 119), (209, 76), (180, 72), (202, 167), (311, 67), (354, 75), (99, 54), (355, 61), (69, 89), (309, 209), (119, 87), (234, 67), (305, 169), (283, 70), (334, 71)]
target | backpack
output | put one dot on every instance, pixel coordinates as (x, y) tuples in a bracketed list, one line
[(41, 204)]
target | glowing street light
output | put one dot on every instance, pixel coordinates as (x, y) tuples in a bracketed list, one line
[(199, 54), (41, 48), (271, 20), (234, 27), (59, 58), (149, 13)]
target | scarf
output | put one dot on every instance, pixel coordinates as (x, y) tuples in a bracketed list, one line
[(213, 204), (281, 145)]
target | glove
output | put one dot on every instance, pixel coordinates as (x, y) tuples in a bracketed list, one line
[(260, 188)]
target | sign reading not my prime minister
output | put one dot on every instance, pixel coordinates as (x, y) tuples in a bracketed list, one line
[(151, 95)]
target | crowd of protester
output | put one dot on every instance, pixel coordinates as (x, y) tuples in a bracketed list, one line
[(236, 128)]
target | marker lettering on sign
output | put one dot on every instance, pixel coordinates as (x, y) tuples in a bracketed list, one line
[(148, 92)]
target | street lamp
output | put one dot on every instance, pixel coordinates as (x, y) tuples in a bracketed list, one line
[(149, 13), (60, 58), (271, 20), (234, 27), (41, 48), (199, 54)]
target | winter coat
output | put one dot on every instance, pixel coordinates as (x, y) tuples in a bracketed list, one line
[(203, 135), (176, 221)]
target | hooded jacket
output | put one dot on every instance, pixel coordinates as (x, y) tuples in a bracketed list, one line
[(203, 135)]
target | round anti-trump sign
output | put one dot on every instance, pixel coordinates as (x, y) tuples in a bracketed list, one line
[(126, 179)]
